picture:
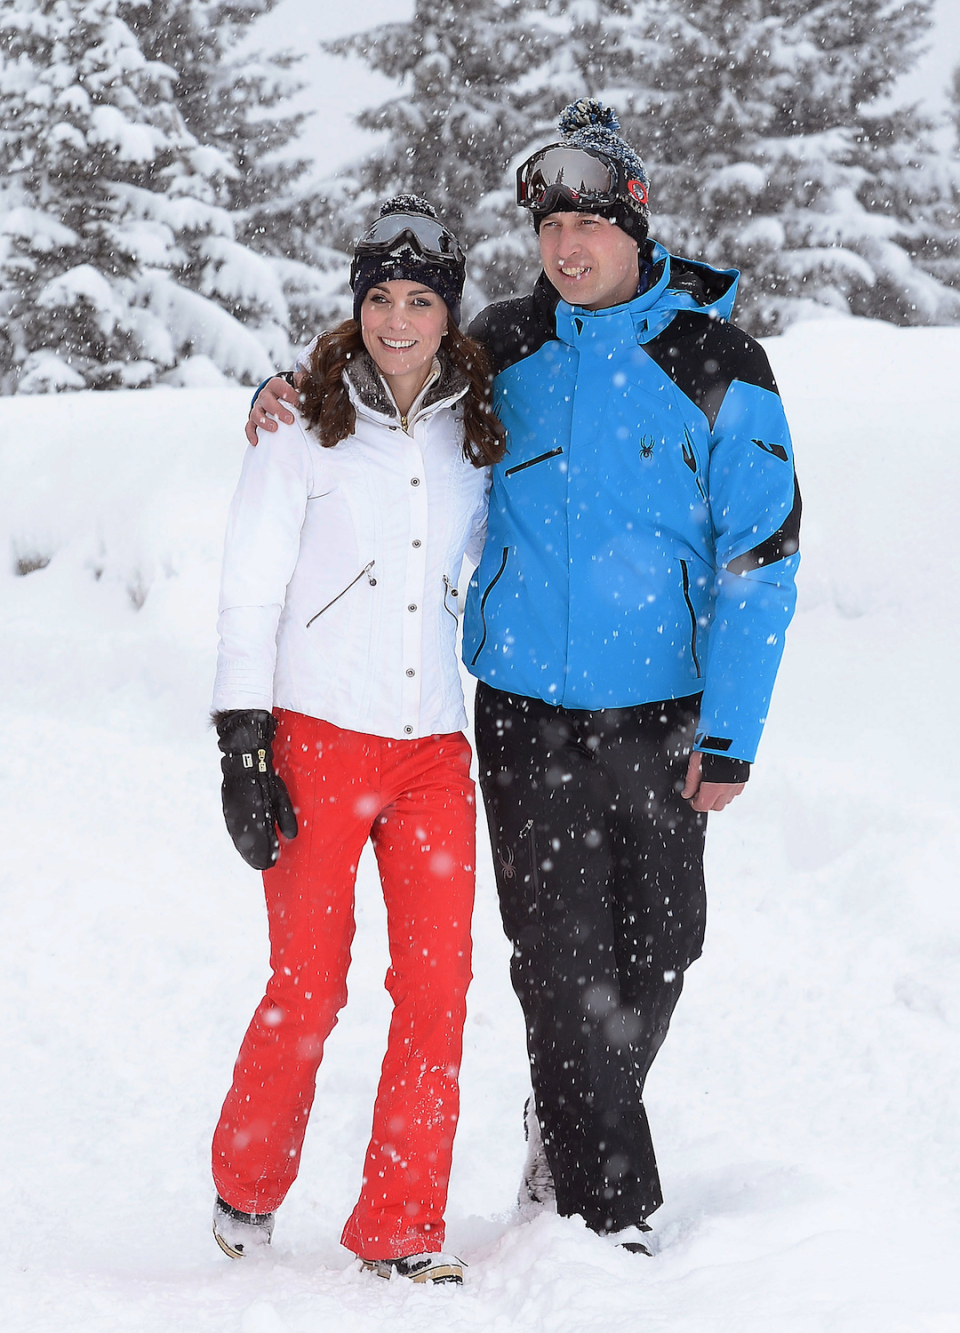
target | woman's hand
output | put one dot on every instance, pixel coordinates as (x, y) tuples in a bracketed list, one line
[(254, 796), (269, 405)]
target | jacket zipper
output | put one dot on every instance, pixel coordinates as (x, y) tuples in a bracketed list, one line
[(540, 458), (690, 458), (370, 579), (529, 834), (693, 615), (449, 588), (483, 602)]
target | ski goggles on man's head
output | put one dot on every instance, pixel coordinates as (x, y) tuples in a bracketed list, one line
[(426, 239), (586, 178)]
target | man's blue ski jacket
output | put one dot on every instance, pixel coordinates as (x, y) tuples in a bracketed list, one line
[(643, 530)]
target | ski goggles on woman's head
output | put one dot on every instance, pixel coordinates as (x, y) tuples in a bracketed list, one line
[(561, 174), (424, 237)]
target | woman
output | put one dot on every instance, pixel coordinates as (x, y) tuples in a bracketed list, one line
[(340, 716)]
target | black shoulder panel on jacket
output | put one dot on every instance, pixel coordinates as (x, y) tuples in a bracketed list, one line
[(785, 541), (515, 329), (705, 284), (703, 356)]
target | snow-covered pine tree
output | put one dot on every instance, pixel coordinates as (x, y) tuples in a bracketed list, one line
[(767, 130), (119, 250), (765, 125), (940, 251), (228, 101), (238, 104), (459, 120)]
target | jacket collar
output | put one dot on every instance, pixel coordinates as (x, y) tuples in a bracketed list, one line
[(371, 396), (674, 284)]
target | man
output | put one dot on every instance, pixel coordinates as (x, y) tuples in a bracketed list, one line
[(625, 625)]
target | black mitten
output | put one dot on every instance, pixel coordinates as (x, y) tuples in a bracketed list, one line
[(254, 797)]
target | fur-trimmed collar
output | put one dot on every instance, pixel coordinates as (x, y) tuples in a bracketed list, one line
[(371, 389)]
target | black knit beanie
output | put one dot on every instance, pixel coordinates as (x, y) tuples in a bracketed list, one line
[(406, 266)]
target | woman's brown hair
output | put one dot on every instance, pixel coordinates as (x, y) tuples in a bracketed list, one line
[(329, 413)]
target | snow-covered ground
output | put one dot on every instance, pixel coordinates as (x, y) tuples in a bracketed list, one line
[(806, 1103)]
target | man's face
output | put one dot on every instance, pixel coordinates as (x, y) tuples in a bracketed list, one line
[(589, 259)]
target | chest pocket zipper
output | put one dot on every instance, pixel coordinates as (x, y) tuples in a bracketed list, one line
[(532, 462), (449, 589), (370, 579)]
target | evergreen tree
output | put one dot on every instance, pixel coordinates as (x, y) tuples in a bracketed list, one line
[(758, 120), (122, 235), (940, 253), (226, 101), (453, 131), (311, 244), (236, 103)]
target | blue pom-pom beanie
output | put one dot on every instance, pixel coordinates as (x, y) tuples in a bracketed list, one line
[(587, 123)]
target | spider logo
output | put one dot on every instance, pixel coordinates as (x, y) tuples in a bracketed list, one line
[(646, 447), (507, 865)]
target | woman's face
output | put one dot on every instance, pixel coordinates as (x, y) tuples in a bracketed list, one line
[(402, 324)]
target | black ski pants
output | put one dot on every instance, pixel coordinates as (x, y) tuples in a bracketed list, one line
[(599, 864)]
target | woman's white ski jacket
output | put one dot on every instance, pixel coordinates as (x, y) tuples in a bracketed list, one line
[(341, 566)]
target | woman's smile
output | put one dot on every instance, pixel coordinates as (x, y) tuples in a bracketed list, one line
[(402, 324)]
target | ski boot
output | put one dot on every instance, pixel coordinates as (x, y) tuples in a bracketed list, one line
[(537, 1189), (241, 1234), (419, 1268), (637, 1239)]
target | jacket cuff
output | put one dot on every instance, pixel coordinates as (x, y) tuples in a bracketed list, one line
[(287, 375), (244, 729), (721, 768)]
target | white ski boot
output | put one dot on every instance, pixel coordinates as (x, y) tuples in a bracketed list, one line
[(419, 1267), (537, 1189), (241, 1234)]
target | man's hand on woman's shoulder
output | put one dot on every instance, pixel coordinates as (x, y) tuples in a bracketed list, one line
[(268, 407)]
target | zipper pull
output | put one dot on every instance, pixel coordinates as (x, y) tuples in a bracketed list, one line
[(403, 423), (454, 592), (370, 579)]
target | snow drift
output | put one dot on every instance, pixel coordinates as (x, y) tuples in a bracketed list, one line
[(805, 1104)]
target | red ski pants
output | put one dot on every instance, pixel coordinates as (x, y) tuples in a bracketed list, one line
[(415, 801)]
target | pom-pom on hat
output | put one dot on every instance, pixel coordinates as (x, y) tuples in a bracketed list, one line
[(589, 124), (434, 258), (407, 203)]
